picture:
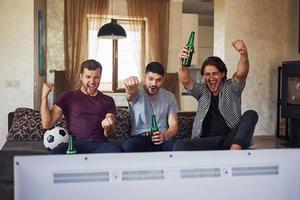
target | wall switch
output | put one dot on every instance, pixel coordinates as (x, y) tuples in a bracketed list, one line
[(12, 83)]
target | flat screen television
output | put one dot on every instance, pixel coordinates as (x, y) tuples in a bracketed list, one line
[(209, 175)]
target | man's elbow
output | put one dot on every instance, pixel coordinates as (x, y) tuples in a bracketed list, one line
[(46, 125), (241, 76), (175, 126)]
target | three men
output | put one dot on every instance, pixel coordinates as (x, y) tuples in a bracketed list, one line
[(218, 124)]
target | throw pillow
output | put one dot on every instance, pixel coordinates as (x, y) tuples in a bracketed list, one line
[(123, 124), (27, 125), (185, 122)]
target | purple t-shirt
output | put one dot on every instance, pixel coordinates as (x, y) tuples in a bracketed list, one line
[(85, 113)]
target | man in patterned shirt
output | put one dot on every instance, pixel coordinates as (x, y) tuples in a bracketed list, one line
[(218, 124)]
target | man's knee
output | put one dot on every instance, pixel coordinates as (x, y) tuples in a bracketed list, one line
[(111, 148), (169, 144), (251, 115), (128, 145), (179, 145), (107, 148)]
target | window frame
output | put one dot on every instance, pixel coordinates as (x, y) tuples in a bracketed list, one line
[(115, 88)]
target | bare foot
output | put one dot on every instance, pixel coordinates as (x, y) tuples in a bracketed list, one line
[(235, 147)]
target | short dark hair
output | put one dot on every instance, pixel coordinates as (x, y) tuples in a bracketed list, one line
[(155, 67), (90, 64), (217, 62)]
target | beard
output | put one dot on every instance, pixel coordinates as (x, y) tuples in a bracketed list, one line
[(152, 90)]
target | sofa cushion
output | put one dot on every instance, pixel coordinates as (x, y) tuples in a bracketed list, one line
[(123, 124), (27, 126), (185, 124)]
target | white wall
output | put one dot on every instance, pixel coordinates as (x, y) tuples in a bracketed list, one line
[(270, 31), (17, 58), (206, 43)]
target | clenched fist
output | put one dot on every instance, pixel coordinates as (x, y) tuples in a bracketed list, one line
[(240, 46), (184, 53), (157, 138), (132, 83), (46, 89), (108, 124)]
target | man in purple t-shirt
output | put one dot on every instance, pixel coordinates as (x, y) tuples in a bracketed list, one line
[(90, 114)]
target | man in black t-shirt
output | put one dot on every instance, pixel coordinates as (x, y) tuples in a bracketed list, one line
[(218, 122)]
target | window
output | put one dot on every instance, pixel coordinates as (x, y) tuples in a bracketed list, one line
[(128, 54)]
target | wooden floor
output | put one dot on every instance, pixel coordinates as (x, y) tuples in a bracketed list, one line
[(269, 142)]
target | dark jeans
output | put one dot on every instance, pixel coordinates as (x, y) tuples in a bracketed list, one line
[(144, 143), (241, 134), (83, 146)]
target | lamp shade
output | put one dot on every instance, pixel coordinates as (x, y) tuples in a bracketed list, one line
[(112, 30)]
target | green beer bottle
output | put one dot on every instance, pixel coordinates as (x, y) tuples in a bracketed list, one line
[(71, 147), (186, 62), (154, 126)]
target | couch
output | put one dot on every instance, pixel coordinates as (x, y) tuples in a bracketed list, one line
[(25, 135)]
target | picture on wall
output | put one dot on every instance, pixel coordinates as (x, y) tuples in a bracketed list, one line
[(41, 43)]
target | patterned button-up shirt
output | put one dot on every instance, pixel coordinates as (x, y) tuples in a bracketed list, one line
[(229, 103)]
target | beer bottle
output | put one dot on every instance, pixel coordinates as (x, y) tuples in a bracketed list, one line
[(186, 62), (154, 127), (71, 147)]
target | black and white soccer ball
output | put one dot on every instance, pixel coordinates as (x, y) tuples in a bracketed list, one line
[(55, 136)]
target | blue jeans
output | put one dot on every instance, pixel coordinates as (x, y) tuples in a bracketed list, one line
[(144, 143), (83, 146), (241, 134)]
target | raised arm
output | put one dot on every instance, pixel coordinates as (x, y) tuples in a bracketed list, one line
[(183, 72), (132, 85), (243, 65), (49, 117)]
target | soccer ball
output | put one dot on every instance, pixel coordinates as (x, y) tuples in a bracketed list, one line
[(55, 136)]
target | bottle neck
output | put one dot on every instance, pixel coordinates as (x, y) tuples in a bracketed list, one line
[(190, 43), (153, 124)]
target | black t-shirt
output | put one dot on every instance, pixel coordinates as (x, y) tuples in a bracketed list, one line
[(214, 124)]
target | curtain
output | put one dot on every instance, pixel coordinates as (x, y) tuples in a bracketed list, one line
[(75, 35), (156, 15), (59, 83)]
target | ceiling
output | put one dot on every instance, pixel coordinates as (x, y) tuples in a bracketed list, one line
[(204, 8)]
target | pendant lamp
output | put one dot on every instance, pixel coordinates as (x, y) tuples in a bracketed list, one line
[(112, 30)]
